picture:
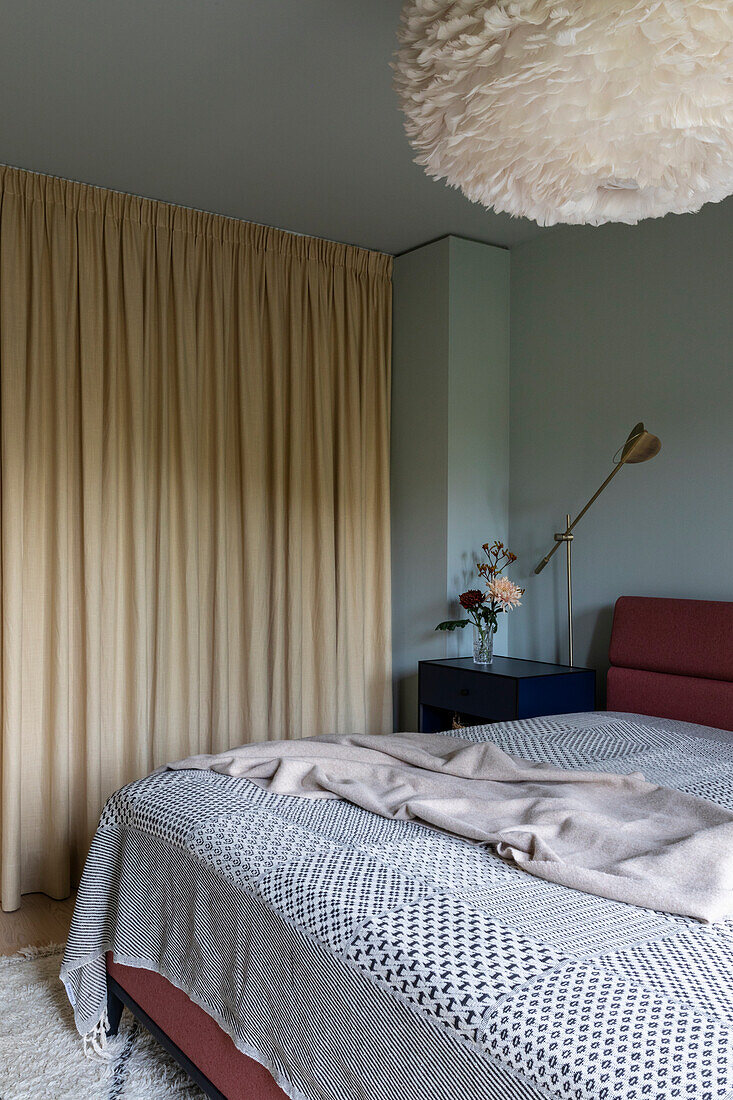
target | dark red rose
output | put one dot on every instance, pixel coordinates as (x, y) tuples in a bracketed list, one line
[(471, 599)]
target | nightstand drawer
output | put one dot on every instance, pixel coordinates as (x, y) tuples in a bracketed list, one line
[(464, 690), (507, 689)]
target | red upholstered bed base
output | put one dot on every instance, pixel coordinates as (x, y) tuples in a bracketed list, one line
[(673, 659), (669, 658), (199, 1037), (707, 702)]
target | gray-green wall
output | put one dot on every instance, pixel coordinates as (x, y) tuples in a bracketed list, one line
[(611, 326), (450, 443)]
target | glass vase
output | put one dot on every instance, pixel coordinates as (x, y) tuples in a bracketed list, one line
[(483, 645)]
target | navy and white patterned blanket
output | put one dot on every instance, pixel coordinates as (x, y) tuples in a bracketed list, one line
[(356, 956)]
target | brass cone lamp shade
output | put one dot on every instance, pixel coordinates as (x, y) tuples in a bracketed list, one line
[(640, 446)]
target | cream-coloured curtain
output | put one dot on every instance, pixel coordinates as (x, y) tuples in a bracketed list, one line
[(195, 499)]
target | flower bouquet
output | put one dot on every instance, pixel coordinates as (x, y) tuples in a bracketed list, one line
[(484, 607)]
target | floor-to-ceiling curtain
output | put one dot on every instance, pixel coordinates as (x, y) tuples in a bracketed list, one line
[(194, 418)]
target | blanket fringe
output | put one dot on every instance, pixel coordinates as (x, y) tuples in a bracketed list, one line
[(95, 1041)]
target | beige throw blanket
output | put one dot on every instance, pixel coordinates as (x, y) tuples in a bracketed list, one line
[(616, 836)]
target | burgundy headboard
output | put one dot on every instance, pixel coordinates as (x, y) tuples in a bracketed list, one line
[(673, 659)]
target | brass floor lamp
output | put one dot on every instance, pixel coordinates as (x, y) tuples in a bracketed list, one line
[(640, 446)]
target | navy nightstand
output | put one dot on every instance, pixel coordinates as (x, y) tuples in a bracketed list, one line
[(506, 689)]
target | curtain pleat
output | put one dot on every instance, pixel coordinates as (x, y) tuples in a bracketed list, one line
[(194, 509)]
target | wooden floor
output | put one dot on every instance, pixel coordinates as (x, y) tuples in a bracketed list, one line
[(39, 920)]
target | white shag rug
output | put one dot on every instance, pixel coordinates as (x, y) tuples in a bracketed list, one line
[(42, 1055)]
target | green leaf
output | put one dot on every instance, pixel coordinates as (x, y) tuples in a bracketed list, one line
[(452, 624)]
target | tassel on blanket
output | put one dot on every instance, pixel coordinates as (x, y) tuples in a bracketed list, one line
[(95, 1041)]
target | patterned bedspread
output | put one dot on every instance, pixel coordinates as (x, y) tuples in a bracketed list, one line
[(359, 957)]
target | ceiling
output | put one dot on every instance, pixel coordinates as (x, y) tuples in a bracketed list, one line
[(279, 111)]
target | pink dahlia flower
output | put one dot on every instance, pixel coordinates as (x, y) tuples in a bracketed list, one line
[(505, 592)]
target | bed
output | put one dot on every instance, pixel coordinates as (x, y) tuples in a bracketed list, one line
[(283, 948)]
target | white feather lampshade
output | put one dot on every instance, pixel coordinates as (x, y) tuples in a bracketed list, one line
[(572, 110)]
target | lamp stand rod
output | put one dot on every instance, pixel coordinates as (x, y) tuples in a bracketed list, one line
[(569, 545), (640, 446), (566, 537), (581, 513)]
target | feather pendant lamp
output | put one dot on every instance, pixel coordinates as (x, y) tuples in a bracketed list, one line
[(580, 111)]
